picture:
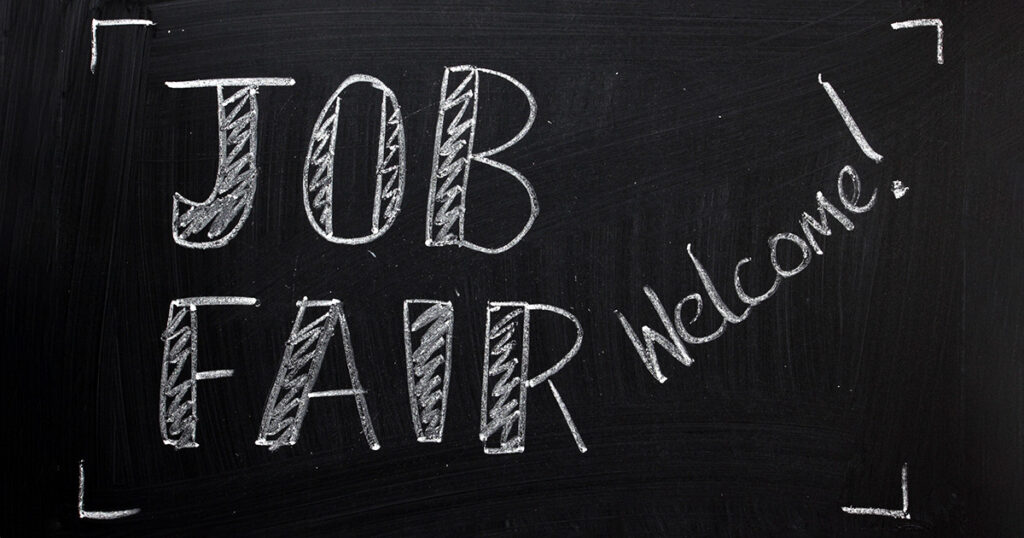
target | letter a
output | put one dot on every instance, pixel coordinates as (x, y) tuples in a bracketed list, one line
[(303, 354)]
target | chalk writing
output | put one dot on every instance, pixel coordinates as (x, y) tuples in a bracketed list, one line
[(179, 370), (568, 418), (428, 332), (899, 189), (454, 153), (428, 362), (97, 514), (676, 333), (390, 171), (224, 212), (850, 123), (96, 23), (303, 354), (902, 513), (918, 23), (506, 381)]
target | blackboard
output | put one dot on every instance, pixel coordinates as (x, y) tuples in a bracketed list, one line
[(878, 391)]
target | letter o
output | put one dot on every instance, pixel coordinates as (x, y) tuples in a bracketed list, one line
[(318, 171), (804, 249)]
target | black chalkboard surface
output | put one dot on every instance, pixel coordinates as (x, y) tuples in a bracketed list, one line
[(297, 268)]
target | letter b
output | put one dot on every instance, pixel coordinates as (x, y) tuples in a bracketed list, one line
[(454, 154)]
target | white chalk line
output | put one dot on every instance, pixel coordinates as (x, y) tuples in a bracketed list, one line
[(334, 393), (919, 23), (215, 301), (215, 82), (318, 302), (850, 123), (568, 418), (214, 374), (533, 382), (97, 514), (96, 23), (902, 513)]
